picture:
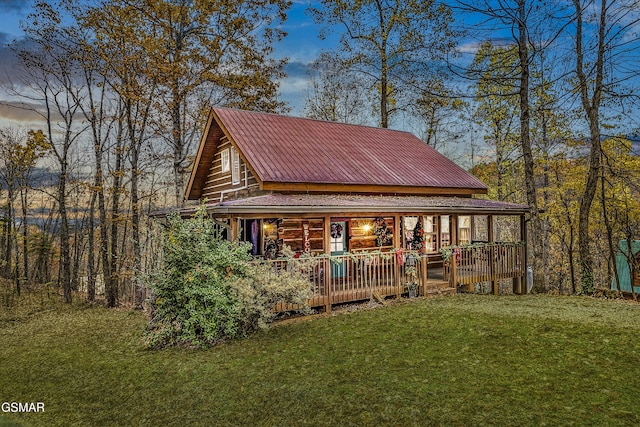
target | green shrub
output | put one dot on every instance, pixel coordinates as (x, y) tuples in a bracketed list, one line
[(209, 290)]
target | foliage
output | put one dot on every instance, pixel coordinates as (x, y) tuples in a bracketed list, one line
[(497, 110), (336, 94), (394, 45), (196, 54), (460, 360), (209, 290), (439, 112)]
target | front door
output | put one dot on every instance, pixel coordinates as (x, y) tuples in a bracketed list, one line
[(338, 246)]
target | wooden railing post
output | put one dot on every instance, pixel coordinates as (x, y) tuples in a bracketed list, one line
[(423, 261), (494, 255), (327, 284), (453, 277)]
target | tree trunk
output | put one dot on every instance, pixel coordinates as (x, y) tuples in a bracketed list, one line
[(113, 282), (91, 274), (178, 146), (65, 255), (135, 226), (525, 140), (9, 242), (25, 234), (591, 108)]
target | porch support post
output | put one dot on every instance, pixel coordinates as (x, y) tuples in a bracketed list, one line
[(490, 228), (397, 243), (524, 260), (453, 230), (235, 226), (492, 255), (327, 268)]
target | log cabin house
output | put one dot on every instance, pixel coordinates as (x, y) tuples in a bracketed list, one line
[(375, 205)]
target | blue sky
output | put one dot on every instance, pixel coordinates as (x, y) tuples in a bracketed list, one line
[(301, 46), (11, 11)]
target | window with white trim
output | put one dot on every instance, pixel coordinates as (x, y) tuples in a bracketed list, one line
[(430, 238), (224, 161), (464, 230), (235, 166), (445, 237)]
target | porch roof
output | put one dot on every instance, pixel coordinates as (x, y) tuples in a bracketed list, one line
[(277, 203)]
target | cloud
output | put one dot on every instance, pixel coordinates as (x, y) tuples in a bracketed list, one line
[(19, 112), (296, 69), (14, 5), (293, 88), (474, 46)]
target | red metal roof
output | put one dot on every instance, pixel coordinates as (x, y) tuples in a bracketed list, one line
[(298, 150)]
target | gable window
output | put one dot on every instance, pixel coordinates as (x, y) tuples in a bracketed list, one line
[(235, 166), (224, 161)]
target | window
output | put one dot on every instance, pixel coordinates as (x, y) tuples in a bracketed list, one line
[(224, 161), (250, 231), (464, 230), (235, 166), (445, 238), (430, 233)]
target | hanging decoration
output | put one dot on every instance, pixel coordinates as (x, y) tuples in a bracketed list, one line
[(384, 235), (336, 230), (418, 237), (270, 230), (306, 244)]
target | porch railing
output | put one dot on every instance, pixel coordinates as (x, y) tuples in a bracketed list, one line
[(489, 262), (356, 277)]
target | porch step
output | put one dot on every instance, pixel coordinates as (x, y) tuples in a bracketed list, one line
[(441, 291), (437, 284)]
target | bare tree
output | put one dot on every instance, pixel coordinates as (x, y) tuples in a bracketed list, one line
[(597, 54), (335, 94), (50, 74), (393, 45)]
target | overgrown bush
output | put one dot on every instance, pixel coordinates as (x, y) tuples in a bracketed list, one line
[(209, 290)]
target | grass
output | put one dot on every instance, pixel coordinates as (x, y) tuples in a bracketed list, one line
[(460, 360)]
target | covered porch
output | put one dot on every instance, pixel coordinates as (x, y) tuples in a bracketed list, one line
[(378, 275), (378, 246)]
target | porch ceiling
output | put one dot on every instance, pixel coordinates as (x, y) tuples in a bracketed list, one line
[(344, 203)]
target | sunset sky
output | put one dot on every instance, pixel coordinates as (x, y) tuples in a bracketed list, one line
[(301, 46)]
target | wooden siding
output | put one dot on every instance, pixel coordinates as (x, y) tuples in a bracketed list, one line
[(219, 183), (206, 152), (290, 233), (361, 239)]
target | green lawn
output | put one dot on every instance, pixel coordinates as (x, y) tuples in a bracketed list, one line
[(460, 360)]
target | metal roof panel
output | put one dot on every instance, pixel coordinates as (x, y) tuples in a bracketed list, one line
[(299, 150)]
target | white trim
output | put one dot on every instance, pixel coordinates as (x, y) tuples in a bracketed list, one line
[(225, 161), (235, 167)]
